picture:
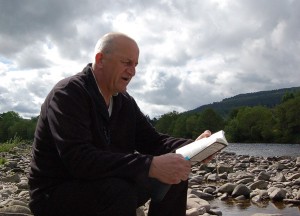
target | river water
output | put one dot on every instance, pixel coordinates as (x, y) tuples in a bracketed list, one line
[(230, 208)]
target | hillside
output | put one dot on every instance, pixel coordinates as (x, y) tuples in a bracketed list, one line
[(263, 98)]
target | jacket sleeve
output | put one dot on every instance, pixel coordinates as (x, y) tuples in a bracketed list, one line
[(70, 124)]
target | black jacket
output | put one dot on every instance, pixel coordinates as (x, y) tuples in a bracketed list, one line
[(76, 139)]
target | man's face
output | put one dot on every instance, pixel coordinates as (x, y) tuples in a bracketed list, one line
[(119, 67)]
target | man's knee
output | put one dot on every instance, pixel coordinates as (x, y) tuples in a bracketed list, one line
[(123, 195)]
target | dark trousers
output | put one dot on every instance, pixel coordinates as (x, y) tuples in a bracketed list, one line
[(109, 197)]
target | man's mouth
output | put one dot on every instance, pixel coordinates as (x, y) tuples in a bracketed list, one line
[(126, 78)]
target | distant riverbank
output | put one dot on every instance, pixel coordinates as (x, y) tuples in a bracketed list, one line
[(264, 150)]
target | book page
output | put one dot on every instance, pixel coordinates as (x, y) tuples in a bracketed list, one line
[(204, 147), (210, 150)]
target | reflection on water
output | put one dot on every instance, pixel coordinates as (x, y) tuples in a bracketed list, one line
[(247, 208)]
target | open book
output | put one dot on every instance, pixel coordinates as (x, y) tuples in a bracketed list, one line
[(201, 149)]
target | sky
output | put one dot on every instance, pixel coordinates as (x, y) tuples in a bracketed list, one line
[(192, 52)]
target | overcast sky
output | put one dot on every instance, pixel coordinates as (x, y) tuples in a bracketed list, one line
[(192, 52)]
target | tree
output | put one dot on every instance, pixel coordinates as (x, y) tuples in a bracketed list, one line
[(166, 122), (251, 124), (7, 120), (288, 121), (210, 120)]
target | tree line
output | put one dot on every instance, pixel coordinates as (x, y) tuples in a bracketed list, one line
[(257, 124), (280, 124), (12, 125)]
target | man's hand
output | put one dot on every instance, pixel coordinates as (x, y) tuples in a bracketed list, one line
[(206, 133), (170, 168)]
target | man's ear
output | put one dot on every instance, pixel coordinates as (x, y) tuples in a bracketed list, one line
[(99, 59)]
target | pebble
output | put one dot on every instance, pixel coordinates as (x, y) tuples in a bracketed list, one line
[(238, 177)]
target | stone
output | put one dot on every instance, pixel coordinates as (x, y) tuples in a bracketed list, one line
[(226, 188), (202, 195), (278, 194), (197, 203), (261, 184), (192, 212), (294, 176), (140, 212), (241, 190), (279, 177), (263, 176), (263, 214), (245, 180), (15, 209)]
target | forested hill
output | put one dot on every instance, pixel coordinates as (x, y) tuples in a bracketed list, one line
[(264, 98)]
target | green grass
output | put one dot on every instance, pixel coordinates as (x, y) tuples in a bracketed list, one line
[(11, 143), (2, 161)]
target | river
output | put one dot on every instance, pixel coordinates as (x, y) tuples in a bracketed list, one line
[(230, 208)]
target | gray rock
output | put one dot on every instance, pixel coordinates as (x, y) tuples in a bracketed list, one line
[(15, 209), (225, 168), (202, 195), (192, 212), (11, 178), (263, 214), (245, 180), (264, 176), (140, 212), (241, 190), (196, 202), (278, 194), (294, 176), (279, 177), (226, 188), (261, 184)]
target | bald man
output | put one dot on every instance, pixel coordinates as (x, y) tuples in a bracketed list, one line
[(95, 153)]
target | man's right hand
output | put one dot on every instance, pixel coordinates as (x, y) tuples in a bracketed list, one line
[(170, 168)]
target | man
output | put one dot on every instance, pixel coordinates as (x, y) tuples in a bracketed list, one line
[(95, 153)]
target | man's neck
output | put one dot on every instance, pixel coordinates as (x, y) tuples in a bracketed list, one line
[(107, 97)]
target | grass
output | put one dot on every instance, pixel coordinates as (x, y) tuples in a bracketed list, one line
[(11, 143), (2, 161)]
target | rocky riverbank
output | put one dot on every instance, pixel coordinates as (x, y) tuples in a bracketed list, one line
[(235, 177)]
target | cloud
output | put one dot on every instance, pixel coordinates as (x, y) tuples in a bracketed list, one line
[(191, 52)]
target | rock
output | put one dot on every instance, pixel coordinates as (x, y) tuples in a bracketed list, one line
[(263, 176), (278, 194), (263, 214), (261, 184), (140, 212), (214, 212), (294, 176), (196, 202), (209, 190), (16, 209), (11, 178), (226, 188), (245, 181), (202, 195), (225, 168), (192, 212), (298, 195), (278, 166), (241, 190), (213, 177), (279, 177)]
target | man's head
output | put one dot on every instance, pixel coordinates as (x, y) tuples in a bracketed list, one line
[(115, 59)]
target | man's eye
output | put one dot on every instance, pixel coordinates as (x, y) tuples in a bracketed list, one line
[(127, 63)]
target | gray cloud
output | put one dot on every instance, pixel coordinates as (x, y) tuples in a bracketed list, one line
[(192, 52)]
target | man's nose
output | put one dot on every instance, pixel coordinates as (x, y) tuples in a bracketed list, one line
[(131, 70)]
